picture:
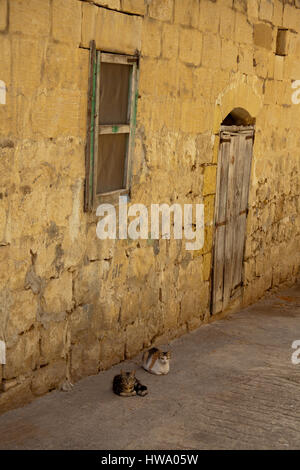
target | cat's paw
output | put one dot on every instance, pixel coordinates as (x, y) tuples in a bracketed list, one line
[(130, 394)]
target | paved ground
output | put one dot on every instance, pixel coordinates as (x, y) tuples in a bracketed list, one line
[(232, 385)]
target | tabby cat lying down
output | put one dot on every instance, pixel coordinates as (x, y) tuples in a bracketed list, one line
[(126, 384)]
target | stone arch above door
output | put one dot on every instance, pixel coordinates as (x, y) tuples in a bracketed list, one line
[(236, 96)]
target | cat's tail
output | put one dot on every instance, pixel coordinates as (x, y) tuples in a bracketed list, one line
[(145, 357), (141, 390)]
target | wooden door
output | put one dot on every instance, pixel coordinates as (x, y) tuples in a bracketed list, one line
[(233, 179)]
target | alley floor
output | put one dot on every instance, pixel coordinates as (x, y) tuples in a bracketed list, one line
[(232, 385)]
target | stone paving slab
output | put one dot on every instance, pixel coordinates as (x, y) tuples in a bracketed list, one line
[(232, 385)]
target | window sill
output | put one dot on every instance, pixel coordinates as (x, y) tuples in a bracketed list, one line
[(111, 197)]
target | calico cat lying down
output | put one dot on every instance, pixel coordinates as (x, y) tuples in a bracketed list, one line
[(126, 384), (156, 361)]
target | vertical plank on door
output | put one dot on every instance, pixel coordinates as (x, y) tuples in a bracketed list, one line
[(238, 229), (220, 221), (246, 151), (230, 226)]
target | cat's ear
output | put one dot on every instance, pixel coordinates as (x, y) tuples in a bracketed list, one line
[(132, 373)]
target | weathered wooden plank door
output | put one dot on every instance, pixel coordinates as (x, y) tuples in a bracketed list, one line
[(233, 179)]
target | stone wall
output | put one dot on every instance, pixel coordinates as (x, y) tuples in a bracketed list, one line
[(70, 304)]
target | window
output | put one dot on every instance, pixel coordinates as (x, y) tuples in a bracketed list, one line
[(282, 41), (111, 125)]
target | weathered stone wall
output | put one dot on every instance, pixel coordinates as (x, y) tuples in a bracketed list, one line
[(70, 304)]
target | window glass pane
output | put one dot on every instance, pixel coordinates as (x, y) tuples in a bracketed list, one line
[(111, 162), (114, 87)]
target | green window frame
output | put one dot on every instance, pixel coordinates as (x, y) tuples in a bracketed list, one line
[(98, 132)]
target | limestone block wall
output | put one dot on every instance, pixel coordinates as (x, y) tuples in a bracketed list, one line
[(70, 304)]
